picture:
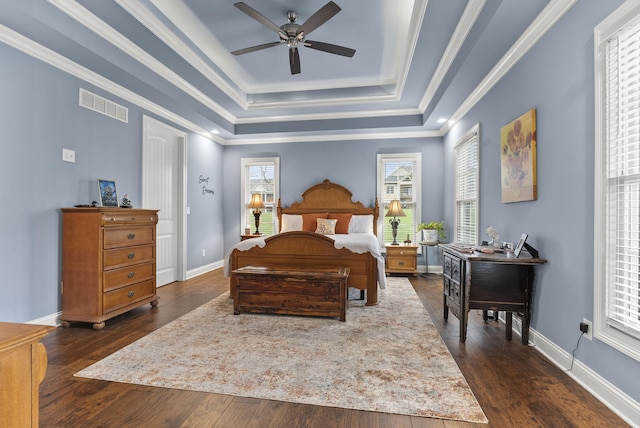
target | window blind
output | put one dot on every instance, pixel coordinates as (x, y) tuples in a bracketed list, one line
[(261, 176), (399, 178), (466, 190), (622, 180)]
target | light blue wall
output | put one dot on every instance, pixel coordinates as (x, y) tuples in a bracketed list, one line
[(39, 116), (560, 222), (349, 163)]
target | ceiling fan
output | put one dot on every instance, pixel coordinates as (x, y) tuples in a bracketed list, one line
[(294, 35)]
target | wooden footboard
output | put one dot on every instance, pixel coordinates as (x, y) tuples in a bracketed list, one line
[(306, 250)]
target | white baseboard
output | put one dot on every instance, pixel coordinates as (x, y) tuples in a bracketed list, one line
[(204, 269), (52, 319), (612, 397), (436, 269)]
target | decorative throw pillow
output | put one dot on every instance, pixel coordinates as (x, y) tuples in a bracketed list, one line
[(291, 222), (342, 227), (326, 226), (361, 224), (309, 221)]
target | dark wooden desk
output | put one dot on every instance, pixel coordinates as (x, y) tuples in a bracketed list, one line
[(490, 282)]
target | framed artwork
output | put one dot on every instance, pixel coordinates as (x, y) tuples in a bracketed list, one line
[(521, 242), (108, 195), (518, 142)]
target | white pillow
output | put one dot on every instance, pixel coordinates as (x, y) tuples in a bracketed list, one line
[(291, 222), (361, 224)]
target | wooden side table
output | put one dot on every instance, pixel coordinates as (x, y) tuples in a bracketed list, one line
[(402, 259), (23, 363), (243, 237)]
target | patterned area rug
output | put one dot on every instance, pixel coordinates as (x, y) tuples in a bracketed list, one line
[(385, 358)]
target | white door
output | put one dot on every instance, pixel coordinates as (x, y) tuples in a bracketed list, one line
[(163, 183)]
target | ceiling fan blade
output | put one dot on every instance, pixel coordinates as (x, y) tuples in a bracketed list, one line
[(328, 47), (323, 14), (255, 48), (294, 60), (259, 17)]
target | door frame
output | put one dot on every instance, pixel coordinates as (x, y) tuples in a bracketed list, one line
[(181, 174)]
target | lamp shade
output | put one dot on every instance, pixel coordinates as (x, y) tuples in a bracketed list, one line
[(256, 201), (395, 210)]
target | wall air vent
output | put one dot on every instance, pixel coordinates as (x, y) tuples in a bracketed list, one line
[(102, 105)]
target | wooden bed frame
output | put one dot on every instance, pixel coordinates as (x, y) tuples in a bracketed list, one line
[(308, 249)]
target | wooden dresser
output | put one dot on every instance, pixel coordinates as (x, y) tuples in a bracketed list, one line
[(108, 262), (23, 364), (402, 259)]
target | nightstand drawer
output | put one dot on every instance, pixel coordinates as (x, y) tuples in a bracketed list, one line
[(401, 263), (402, 259)]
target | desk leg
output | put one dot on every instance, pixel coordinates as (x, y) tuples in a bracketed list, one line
[(508, 324)]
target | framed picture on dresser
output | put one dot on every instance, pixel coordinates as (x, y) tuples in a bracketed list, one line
[(518, 249), (108, 195)]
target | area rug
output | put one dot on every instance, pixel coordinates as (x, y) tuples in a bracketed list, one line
[(386, 358)]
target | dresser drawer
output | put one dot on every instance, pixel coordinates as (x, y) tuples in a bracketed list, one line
[(128, 217), (126, 296), (117, 278), (126, 236), (128, 256)]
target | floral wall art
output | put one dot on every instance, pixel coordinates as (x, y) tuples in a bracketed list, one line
[(518, 159)]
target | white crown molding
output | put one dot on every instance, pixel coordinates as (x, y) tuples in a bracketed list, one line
[(146, 18), (468, 19), (554, 10), (95, 24), (328, 116), (31, 48), (417, 18), (331, 138)]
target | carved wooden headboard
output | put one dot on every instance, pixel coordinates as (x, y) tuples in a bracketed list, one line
[(329, 197)]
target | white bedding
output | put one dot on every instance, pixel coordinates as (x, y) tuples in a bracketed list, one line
[(356, 242)]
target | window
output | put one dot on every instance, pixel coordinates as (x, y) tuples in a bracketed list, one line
[(399, 177), (617, 181), (260, 175), (467, 184)]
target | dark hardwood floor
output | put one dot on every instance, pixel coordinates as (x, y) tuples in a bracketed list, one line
[(514, 384)]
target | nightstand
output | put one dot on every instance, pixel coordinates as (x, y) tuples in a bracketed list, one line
[(402, 259), (243, 237)]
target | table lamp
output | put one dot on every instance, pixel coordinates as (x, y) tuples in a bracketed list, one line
[(256, 203), (395, 210)]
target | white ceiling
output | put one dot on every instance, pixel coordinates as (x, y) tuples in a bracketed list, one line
[(416, 61)]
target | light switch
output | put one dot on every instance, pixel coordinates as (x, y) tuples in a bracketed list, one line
[(68, 155), (188, 210)]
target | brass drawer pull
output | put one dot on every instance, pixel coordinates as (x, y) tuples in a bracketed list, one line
[(131, 293), (131, 275), (131, 236), (401, 263), (131, 255)]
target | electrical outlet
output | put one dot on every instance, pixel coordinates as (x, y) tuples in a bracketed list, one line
[(68, 155), (589, 333), (204, 252)]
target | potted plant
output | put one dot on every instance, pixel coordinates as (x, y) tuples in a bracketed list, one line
[(432, 231)]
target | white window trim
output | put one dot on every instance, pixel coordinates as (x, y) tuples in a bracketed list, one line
[(475, 131), (244, 162), (602, 331), (381, 189)]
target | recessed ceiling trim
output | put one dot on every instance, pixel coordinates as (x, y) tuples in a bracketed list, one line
[(469, 17), (328, 116), (546, 19), (332, 138), (417, 18), (157, 27), (95, 24), (324, 102)]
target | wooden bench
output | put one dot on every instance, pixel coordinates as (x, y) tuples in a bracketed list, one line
[(317, 291)]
